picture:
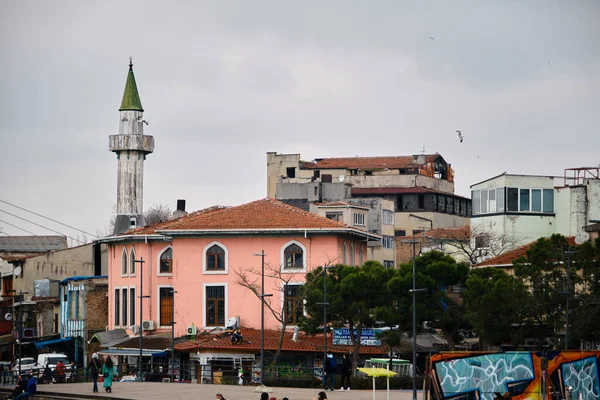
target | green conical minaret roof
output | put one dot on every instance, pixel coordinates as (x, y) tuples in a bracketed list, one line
[(131, 98)]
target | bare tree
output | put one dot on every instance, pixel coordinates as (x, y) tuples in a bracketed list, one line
[(251, 280), (157, 213), (474, 245)]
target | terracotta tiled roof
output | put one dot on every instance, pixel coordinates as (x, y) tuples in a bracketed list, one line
[(252, 343), (461, 233), (261, 214), (508, 257), (367, 162), (150, 229)]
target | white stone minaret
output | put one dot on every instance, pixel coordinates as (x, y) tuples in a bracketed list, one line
[(131, 147)]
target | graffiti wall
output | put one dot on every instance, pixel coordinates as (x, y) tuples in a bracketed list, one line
[(514, 375)]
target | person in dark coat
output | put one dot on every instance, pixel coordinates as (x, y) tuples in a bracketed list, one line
[(30, 389), (20, 388), (329, 372), (346, 371), (47, 375), (95, 370)]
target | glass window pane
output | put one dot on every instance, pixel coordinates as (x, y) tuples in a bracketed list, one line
[(484, 201), (476, 196), (125, 307), (500, 200), (117, 307), (536, 200), (512, 200), (132, 307), (524, 200), (549, 200)]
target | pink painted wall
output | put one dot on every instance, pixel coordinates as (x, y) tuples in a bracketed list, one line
[(189, 279)]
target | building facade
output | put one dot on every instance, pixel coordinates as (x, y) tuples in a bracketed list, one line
[(527, 207), (193, 265), (420, 186)]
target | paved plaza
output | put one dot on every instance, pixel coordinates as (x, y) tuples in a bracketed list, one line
[(174, 391)]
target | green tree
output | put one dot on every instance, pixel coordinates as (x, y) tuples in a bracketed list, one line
[(493, 303), (440, 304), (353, 294)]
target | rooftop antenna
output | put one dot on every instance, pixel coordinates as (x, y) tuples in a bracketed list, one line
[(423, 151)]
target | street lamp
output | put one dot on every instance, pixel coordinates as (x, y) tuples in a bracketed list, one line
[(414, 292), (567, 294), (141, 297), (325, 304), (262, 314), (173, 291)]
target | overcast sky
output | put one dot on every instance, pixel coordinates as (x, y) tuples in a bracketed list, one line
[(223, 82)]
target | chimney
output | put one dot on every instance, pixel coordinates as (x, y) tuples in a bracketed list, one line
[(180, 212)]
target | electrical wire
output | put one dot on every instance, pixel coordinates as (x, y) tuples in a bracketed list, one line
[(50, 219), (42, 226), (18, 227)]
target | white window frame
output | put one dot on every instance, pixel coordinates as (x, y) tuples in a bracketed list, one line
[(389, 220), (204, 286), (158, 273), (295, 283), (115, 311), (135, 310), (344, 253), (387, 239), (282, 258), (132, 266), (359, 219), (126, 253), (205, 269), (352, 254), (124, 289), (361, 255), (158, 287)]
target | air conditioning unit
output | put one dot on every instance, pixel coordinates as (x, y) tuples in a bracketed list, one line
[(135, 329), (191, 330), (148, 325)]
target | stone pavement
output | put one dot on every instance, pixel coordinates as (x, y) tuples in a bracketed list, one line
[(176, 391)]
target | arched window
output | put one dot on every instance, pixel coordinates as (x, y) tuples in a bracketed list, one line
[(124, 269), (132, 262), (166, 262), (293, 256), (361, 255), (344, 254), (352, 254), (215, 258)]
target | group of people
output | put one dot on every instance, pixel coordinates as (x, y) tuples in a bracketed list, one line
[(265, 396), (330, 370), (105, 368)]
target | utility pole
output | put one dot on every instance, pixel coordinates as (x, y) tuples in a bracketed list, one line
[(141, 297), (262, 315), (325, 304), (173, 291)]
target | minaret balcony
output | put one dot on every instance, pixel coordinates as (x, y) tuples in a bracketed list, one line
[(144, 143)]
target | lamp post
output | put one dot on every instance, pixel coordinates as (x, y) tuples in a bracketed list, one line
[(262, 314), (567, 294), (325, 304), (173, 291), (414, 292), (141, 297)]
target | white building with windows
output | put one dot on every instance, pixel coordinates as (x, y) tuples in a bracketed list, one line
[(524, 208)]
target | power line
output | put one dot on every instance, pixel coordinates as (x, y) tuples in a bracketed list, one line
[(18, 227), (50, 219), (42, 226)]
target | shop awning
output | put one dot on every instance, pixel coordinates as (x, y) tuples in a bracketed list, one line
[(133, 352), (45, 343)]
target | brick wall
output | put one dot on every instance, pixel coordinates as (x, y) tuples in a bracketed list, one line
[(404, 250), (96, 305)]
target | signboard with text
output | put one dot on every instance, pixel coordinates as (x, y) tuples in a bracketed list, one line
[(368, 337)]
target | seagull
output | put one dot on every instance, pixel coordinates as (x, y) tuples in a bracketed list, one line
[(460, 136), (431, 37)]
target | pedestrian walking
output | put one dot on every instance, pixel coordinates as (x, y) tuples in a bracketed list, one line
[(346, 371), (329, 373), (95, 368), (108, 372)]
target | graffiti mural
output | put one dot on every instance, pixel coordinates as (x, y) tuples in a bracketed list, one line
[(514, 375)]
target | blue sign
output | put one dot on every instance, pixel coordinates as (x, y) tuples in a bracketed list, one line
[(341, 337)]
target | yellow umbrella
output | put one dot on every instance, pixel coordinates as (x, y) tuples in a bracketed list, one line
[(375, 372)]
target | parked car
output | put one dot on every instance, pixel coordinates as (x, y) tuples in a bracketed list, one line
[(51, 359), (27, 364)]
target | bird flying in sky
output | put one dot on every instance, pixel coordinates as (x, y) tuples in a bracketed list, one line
[(460, 136)]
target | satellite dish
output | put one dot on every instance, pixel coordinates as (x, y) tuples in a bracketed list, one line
[(17, 271), (582, 237), (8, 316), (341, 178)]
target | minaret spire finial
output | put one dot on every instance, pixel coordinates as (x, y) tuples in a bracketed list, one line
[(130, 63)]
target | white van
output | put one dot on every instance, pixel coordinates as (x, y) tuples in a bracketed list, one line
[(51, 359)]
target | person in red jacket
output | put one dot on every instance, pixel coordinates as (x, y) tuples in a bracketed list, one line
[(60, 372)]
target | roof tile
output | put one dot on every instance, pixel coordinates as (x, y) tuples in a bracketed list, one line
[(508, 257)]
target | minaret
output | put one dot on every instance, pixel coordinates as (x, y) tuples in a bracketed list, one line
[(131, 147)]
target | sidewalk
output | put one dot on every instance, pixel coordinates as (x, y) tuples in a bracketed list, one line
[(175, 391)]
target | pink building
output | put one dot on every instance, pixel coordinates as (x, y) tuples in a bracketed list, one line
[(199, 256)]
